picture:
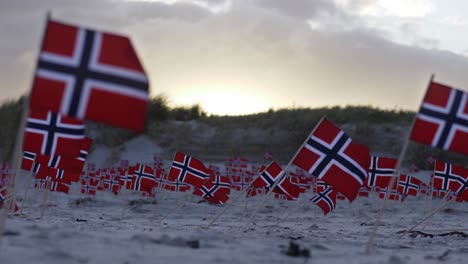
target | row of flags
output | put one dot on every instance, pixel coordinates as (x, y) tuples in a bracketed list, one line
[(84, 74)]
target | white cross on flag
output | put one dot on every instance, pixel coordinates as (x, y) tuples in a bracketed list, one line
[(93, 75), (330, 155), (442, 120)]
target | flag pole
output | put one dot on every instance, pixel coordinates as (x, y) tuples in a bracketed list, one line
[(370, 242), (234, 200), (427, 217), (18, 146), (280, 177), (28, 186)]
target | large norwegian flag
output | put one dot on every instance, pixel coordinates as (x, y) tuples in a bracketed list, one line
[(442, 120), (187, 169), (381, 171), (450, 177), (89, 74), (330, 155), (53, 134)]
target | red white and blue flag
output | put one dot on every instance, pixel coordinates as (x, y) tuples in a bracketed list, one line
[(53, 134), (87, 74), (188, 169), (381, 171), (325, 199), (442, 120), (330, 155)]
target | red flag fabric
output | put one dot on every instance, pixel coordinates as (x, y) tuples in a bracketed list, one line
[(215, 189), (381, 171), (89, 74), (188, 169), (89, 186), (408, 185), (442, 120), (326, 200), (28, 160), (450, 177), (143, 178), (330, 155), (53, 134)]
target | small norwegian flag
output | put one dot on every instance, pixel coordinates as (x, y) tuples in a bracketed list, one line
[(408, 185), (53, 134), (442, 120), (326, 200), (89, 186), (450, 177), (93, 75), (143, 179), (330, 155), (215, 190), (188, 169), (381, 171), (28, 160)]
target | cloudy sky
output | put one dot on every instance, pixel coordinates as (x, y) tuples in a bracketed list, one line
[(245, 56)]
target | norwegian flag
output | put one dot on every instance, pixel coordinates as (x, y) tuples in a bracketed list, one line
[(215, 190), (188, 169), (53, 134), (241, 183), (450, 177), (286, 187), (442, 120), (325, 199), (330, 155), (268, 176), (381, 171), (28, 160), (393, 194), (57, 175), (93, 75), (408, 185), (112, 182), (89, 186), (363, 191), (40, 183), (438, 192), (175, 185), (143, 178), (65, 163), (59, 186)]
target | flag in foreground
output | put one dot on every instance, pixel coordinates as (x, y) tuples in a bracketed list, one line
[(93, 75)]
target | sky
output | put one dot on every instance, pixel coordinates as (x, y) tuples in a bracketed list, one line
[(246, 56)]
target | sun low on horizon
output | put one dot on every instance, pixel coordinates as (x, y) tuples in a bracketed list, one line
[(235, 57)]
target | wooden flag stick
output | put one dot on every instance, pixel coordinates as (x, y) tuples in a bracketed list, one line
[(289, 212), (445, 202), (370, 242), (228, 205), (280, 177), (45, 197), (28, 186)]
